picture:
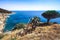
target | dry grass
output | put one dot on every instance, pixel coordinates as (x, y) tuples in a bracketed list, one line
[(51, 32)]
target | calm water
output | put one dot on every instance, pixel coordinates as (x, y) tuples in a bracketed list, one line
[(23, 17)]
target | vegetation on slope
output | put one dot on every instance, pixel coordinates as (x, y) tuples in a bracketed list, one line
[(33, 31), (51, 32)]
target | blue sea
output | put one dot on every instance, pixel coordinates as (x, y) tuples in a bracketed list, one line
[(23, 17)]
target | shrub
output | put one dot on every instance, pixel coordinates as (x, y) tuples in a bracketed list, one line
[(35, 20), (1, 36), (19, 26), (13, 38)]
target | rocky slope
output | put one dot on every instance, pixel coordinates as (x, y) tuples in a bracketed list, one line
[(51, 32)]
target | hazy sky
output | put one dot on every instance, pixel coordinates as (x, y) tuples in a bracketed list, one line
[(30, 4)]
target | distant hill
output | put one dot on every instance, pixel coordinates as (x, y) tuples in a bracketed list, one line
[(4, 11)]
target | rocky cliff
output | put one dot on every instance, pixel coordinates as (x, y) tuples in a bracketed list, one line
[(3, 15)]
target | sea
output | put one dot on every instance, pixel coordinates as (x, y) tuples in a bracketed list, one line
[(24, 17)]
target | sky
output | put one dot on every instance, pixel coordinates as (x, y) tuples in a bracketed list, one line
[(30, 4)]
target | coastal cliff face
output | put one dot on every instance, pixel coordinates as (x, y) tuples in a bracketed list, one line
[(3, 15)]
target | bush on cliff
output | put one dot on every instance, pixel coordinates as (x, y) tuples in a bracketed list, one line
[(19, 26)]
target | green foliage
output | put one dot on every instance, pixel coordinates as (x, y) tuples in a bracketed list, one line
[(19, 26), (13, 38), (50, 14), (35, 20), (1, 36)]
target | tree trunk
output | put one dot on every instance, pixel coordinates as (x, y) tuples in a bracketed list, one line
[(48, 21)]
